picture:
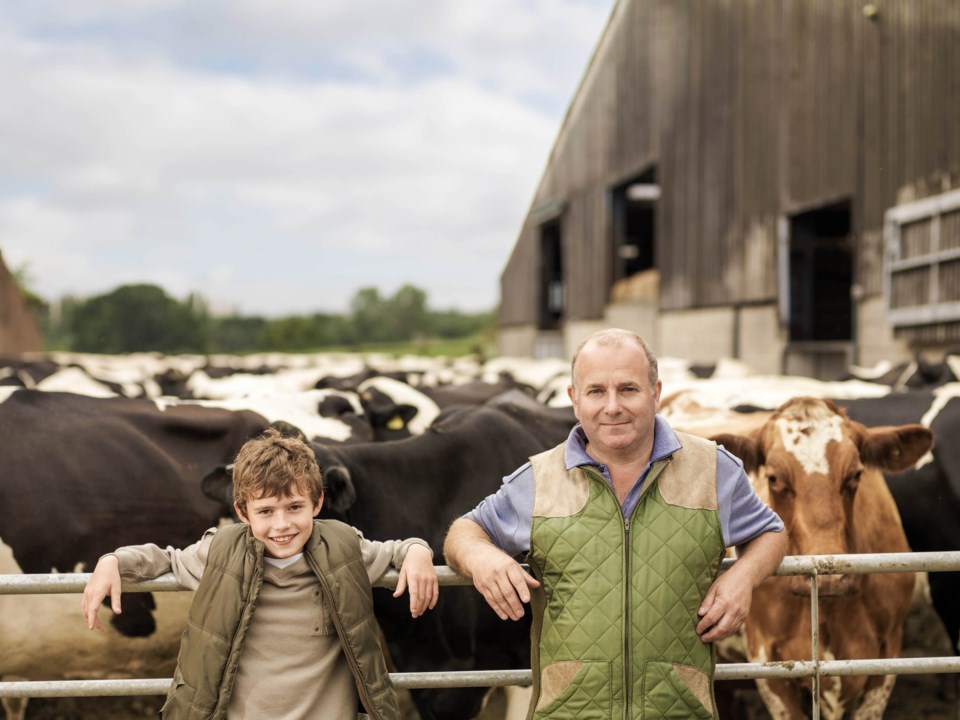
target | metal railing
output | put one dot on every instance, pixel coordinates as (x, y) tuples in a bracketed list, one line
[(811, 565)]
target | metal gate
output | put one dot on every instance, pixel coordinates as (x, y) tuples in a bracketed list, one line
[(811, 565)]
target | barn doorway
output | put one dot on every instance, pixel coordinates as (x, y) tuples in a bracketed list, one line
[(551, 276), (820, 305), (634, 207)]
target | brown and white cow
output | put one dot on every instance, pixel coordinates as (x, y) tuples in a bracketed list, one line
[(821, 472)]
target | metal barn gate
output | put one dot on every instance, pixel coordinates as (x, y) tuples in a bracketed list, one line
[(812, 565)]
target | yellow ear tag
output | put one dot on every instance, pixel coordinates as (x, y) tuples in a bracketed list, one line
[(395, 423)]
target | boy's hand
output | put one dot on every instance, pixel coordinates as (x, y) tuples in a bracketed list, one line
[(417, 572), (104, 582)]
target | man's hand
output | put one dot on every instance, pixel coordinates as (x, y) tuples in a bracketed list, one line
[(724, 609), (499, 578), (418, 573), (105, 582), (502, 582)]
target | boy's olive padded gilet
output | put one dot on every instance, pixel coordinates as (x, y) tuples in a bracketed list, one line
[(223, 606), (615, 619)]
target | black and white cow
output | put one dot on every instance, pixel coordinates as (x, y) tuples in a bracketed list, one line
[(81, 476), (916, 374), (927, 496)]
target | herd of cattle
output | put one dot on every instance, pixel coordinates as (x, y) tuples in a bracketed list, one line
[(103, 451)]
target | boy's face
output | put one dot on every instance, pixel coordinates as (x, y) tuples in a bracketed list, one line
[(282, 524)]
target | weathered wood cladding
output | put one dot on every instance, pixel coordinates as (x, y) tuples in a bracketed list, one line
[(748, 110)]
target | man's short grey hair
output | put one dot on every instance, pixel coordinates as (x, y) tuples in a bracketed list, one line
[(615, 337)]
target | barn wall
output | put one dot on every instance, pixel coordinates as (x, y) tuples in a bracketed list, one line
[(18, 326), (760, 341), (699, 335), (517, 341), (641, 317), (749, 111), (877, 339)]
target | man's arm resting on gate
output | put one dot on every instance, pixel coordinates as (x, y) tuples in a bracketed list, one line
[(727, 602), (499, 578)]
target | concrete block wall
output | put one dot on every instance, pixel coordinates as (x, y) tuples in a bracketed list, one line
[(761, 339), (875, 336), (698, 335)]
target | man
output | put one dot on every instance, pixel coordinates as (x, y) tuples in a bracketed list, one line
[(624, 526)]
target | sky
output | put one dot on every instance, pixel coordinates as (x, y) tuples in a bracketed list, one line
[(276, 156)]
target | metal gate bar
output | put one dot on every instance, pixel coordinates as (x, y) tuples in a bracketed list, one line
[(813, 565), (51, 584), (500, 678)]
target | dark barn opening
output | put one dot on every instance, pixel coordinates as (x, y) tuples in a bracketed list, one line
[(634, 225), (551, 276), (821, 275)]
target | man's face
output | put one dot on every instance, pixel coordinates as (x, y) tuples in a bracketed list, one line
[(613, 399), (282, 524)]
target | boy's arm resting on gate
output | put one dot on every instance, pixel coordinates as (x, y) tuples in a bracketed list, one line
[(135, 563), (103, 583), (414, 560), (419, 577)]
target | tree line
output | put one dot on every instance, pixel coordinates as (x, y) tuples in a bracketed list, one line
[(143, 317)]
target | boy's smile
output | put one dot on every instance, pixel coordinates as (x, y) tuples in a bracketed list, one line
[(282, 524)]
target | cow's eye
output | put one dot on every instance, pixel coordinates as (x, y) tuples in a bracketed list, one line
[(779, 485), (853, 480)]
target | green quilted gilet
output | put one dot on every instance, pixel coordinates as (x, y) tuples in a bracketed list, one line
[(614, 626)]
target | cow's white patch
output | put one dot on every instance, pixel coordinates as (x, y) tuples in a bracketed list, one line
[(535, 373), (283, 381), (6, 391), (518, 702), (807, 441), (831, 694), (298, 409), (775, 705), (874, 701), (74, 380), (45, 637), (953, 362), (770, 391)]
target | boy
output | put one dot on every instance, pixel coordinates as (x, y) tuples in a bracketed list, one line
[(282, 622)]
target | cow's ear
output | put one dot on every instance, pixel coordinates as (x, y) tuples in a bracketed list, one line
[(340, 494), (745, 448), (407, 412), (218, 486), (894, 448)]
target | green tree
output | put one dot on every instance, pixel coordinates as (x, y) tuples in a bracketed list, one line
[(236, 334), (137, 318), (408, 313), (368, 322)]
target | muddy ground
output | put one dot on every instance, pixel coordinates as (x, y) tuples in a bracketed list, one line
[(914, 696)]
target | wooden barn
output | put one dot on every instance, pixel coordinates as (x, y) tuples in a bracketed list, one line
[(19, 332), (772, 180)]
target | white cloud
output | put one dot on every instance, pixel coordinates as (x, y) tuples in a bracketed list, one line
[(282, 188)]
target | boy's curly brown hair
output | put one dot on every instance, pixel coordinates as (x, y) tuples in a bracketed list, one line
[(275, 465)]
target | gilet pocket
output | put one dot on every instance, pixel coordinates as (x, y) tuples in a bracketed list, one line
[(574, 689), (676, 691)]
